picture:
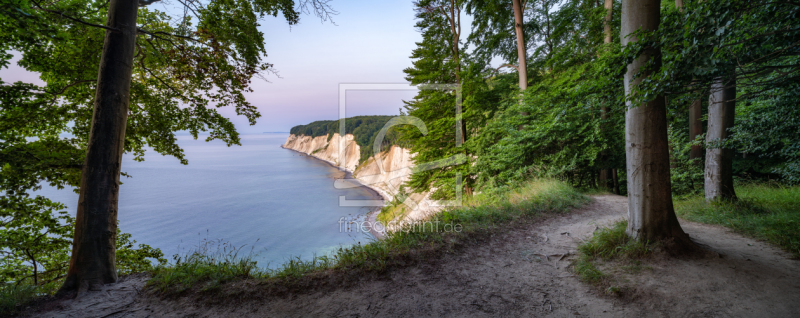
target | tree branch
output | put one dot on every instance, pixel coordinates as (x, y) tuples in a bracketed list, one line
[(61, 13)]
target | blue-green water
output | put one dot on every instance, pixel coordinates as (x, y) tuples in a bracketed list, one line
[(276, 201)]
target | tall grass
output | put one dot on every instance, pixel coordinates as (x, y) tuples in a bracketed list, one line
[(765, 211), (205, 269), (13, 297), (606, 244), (212, 264)]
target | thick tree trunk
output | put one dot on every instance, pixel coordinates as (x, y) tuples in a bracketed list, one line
[(719, 161), (651, 215), (604, 176), (695, 127), (92, 263)]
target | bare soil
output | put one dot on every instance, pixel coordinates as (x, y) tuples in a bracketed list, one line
[(524, 271)]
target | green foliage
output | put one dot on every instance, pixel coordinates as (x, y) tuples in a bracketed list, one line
[(131, 259), (14, 296), (435, 61), (36, 241), (565, 134), (574, 120), (183, 71), (756, 40), (574, 79), (769, 129), (764, 211), (493, 29), (686, 174), (756, 43)]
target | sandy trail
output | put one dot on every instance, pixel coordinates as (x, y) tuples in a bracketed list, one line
[(521, 272)]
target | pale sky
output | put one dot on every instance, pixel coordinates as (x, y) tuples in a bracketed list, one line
[(370, 43)]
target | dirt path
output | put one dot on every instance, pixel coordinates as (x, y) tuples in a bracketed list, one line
[(523, 272)]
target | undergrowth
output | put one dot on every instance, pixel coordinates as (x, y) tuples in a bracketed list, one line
[(13, 297), (765, 211), (608, 244), (206, 269)]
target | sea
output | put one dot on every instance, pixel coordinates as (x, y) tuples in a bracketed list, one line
[(272, 204)]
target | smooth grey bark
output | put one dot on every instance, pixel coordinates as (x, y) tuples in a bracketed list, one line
[(719, 161), (93, 259), (651, 215)]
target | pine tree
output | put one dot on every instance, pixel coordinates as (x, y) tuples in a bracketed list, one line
[(437, 60)]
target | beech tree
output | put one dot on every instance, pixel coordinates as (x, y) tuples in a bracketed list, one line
[(736, 52), (719, 159), (651, 215), (93, 263), (119, 77), (566, 134)]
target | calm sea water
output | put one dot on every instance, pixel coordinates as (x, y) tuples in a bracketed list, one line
[(275, 201)]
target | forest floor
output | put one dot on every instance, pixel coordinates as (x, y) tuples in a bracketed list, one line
[(524, 271)]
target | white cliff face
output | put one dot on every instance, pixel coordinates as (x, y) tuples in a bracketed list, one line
[(385, 172), (328, 150)]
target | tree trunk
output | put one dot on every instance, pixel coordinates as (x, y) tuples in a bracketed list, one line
[(604, 176), (92, 263), (521, 52), (695, 114), (719, 161), (651, 216), (695, 128), (455, 29), (609, 6)]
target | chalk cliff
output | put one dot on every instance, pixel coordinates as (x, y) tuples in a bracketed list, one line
[(328, 150), (385, 172)]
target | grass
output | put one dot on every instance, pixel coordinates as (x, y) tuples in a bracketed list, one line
[(391, 212), (764, 211), (206, 269), (13, 297), (607, 244)]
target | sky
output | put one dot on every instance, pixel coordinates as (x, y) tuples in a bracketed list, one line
[(370, 42)]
